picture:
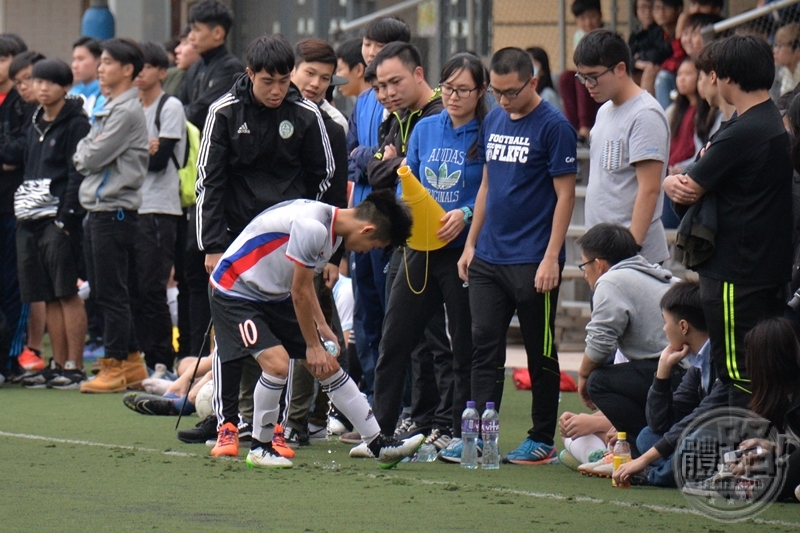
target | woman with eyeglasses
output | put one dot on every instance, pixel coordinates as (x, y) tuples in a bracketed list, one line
[(443, 154)]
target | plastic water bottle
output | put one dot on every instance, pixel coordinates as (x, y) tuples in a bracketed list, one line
[(490, 427), (622, 455), (331, 348), (470, 429)]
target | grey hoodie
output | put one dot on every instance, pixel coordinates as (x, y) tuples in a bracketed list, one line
[(114, 156), (626, 311)]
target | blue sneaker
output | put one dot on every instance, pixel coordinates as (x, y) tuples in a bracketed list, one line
[(452, 453), (531, 452)]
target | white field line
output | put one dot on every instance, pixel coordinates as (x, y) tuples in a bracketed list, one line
[(501, 490)]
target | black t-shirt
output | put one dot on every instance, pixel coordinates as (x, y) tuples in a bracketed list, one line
[(748, 171)]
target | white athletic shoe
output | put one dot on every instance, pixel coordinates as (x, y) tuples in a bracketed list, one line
[(391, 451), (316, 432), (335, 426), (265, 456), (361, 451)]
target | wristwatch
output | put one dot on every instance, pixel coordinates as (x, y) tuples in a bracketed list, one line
[(467, 215)]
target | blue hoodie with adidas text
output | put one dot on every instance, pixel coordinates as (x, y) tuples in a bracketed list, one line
[(438, 157)]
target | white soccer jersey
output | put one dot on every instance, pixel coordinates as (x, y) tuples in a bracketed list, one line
[(259, 265)]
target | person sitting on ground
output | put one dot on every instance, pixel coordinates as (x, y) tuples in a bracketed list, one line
[(625, 316), (668, 412)]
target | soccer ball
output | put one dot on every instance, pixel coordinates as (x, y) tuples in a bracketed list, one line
[(202, 403)]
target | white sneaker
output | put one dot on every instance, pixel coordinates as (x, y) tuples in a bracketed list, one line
[(392, 451), (335, 426), (361, 451), (316, 432), (265, 456)]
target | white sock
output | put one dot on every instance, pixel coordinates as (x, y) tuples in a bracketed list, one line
[(344, 394), (266, 400), (581, 447)]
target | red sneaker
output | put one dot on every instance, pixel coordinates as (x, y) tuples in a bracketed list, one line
[(28, 360)]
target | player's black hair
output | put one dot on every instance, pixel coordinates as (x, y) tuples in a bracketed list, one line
[(270, 53), (604, 48), (212, 14), (682, 301), (8, 47), (53, 70), (510, 60), (747, 61), (407, 53), (611, 242), (385, 30), (23, 47), (350, 52), (127, 52), (155, 55), (23, 60), (579, 7), (90, 44), (391, 216)]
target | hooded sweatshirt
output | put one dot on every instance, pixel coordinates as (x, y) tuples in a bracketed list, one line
[(626, 312), (51, 182), (114, 156), (396, 130), (437, 155)]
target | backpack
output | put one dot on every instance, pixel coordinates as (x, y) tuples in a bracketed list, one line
[(187, 172)]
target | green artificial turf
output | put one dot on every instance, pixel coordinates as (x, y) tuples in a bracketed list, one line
[(81, 476)]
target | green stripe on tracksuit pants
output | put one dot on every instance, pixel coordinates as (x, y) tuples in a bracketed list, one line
[(731, 310)]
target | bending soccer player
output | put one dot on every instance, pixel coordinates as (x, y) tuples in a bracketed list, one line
[(264, 305)]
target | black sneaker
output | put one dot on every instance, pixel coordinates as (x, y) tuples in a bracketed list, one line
[(295, 438), (41, 379), (69, 379), (245, 431), (389, 451), (149, 404), (204, 430)]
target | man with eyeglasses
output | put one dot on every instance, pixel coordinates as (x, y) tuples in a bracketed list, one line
[(629, 145), (514, 252)]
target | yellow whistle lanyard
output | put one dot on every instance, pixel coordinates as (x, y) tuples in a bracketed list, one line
[(427, 257)]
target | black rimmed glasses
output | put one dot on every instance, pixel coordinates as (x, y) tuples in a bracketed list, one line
[(462, 93), (590, 80), (510, 94)]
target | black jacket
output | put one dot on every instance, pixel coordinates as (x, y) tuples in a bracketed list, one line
[(336, 194), (49, 151), (206, 80), (669, 413), (396, 130), (253, 157), (13, 112)]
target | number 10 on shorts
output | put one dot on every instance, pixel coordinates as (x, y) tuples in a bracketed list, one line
[(249, 333)]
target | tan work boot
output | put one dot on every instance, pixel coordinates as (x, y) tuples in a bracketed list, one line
[(135, 370), (111, 378)]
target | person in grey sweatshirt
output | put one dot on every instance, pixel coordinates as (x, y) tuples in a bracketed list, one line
[(114, 158), (626, 316)]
